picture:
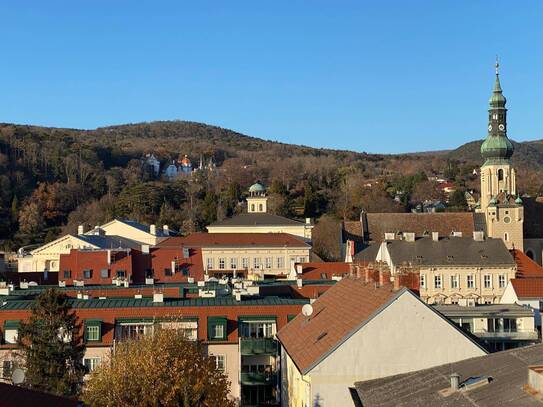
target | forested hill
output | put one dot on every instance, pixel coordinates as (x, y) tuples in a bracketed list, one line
[(52, 179)]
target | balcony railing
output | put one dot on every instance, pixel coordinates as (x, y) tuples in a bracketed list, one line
[(258, 379), (258, 346), (508, 335)]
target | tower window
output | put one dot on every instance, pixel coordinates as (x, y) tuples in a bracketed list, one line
[(500, 175), (495, 116), (506, 236)]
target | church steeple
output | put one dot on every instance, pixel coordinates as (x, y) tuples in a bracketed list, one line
[(497, 146)]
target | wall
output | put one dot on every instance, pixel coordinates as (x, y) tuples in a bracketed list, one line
[(303, 230), (481, 294), (295, 387), (406, 336), (231, 353)]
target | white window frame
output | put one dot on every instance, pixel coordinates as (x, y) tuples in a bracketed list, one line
[(93, 363), (487, 280), (422, 280), (10, 336), (438, 281), (244, 262), (95, 331), (210, 263), (280, 262), (218, 331), (502, 281), (470, 281), (257, 261), (222, 263), (454, 281), (220, 360), (269, 262), (233, 263), (189, 329)]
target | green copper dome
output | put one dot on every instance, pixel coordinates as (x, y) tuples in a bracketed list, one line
[(497, 99), (518, 201), (497, 147), (257, 187)]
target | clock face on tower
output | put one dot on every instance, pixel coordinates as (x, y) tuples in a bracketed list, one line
[(501, 127), (489, 127)]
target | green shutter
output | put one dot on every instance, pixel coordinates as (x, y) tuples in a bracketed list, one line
[(13, 324), (211, 323)]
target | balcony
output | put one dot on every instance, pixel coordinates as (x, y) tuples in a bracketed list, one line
[(258, 346), (258, 379), (508, 335)]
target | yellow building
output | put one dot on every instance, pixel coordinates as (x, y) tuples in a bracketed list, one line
[(258, 220)]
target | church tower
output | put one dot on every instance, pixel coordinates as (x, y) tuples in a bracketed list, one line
[(499, 201)]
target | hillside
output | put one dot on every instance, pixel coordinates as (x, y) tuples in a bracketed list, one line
[(52, 179)]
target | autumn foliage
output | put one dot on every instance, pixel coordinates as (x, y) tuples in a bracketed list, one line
[(163, 369)]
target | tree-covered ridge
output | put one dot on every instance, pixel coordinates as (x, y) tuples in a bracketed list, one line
[(53, 179)]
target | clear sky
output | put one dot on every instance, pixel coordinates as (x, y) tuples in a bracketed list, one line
[(376, 76)]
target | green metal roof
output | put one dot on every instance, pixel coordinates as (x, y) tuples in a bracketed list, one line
[(227, 301)]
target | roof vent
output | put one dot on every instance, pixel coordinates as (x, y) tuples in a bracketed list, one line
[(457, 234), (389, 236), (158, 297), (478, 236), (409, 236), (435, 236), (455, 381)]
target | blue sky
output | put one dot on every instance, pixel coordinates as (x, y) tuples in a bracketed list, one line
[(376, 76)]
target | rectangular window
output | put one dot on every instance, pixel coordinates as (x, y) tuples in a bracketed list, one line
[(189, 329), (67, 273), (324, 276), (134, 330), (488, 281), (216, 328), (121, 273), (280, 262), (104, 273), (233, 263), (91, 363), (222, 263), (93, 333), (422, 281), (454, 281), (168, 272), (269, 262), (245, 263), (87, 274), (437, 281), (220, 362), (257, 329), (256, 262), (210, 263), (501, 280), (149, 273), (302, 259), (471, 281)]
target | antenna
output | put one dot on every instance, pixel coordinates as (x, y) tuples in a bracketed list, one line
[(307, 310), (497, 65)]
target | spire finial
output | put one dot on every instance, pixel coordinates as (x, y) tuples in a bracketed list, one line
[(497, 66)]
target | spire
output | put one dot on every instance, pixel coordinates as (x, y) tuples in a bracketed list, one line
[(497, 85)]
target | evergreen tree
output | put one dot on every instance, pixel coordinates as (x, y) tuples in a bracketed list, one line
[(51, 346)]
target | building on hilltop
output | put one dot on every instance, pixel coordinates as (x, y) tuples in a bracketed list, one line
[(258, 220), (152, 162), (359, 330)]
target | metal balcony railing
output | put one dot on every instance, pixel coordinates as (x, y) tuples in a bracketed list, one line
[(258, 379), (511, 335), (258, 346)]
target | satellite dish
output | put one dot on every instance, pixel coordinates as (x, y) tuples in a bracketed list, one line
[(18, 376), (307, 310)]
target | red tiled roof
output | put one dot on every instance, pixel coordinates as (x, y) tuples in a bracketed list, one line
[(234, 239), (337, 313), (528, 287), (315, 271), (526, 267), (12, 396)]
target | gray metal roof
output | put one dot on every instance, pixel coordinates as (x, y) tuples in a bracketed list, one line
[(486, 311), (257, 219), (110, 241), (451, 251), (509, 371)]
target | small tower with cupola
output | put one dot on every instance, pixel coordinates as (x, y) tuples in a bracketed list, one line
[(257, 201), (499, 201)]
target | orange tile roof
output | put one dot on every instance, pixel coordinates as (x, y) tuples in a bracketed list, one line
[(201, 239), (526, 267), (315, 271), (528, 287), (336, 314)]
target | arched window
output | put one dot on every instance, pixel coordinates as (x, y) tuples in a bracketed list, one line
[(506, 236), (500, 175), (252, 207), (530, 253)]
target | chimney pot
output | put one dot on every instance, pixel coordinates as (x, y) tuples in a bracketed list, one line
[(166, 230), (435, 236), (80, 229), (455, 381), (152, 229)]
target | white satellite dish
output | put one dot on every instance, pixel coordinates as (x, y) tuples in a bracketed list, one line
[(307, 310), (18, 376)]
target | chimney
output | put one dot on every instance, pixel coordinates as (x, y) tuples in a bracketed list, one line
[(381, 277), (367, 275), (299, 268), (478, 236), (358, 271), (152, 230), (364, 226), (158, 297), (397, 282), (308, 221), (166, 230), (409, 236), (81, 229), (390, 236), (435, 236), (299, 283), (109, 256), (455, 381)]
